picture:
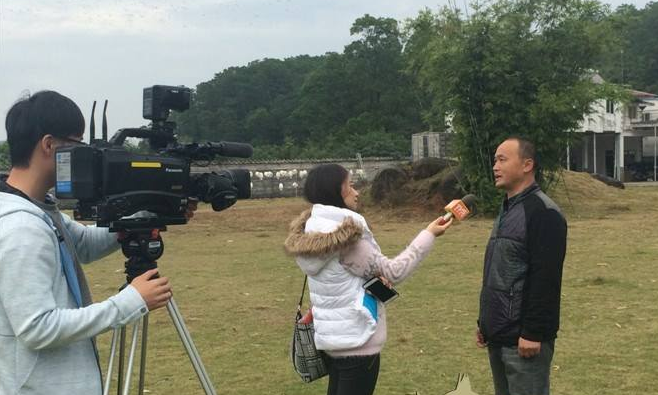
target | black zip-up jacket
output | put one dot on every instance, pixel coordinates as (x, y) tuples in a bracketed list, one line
[(522, 278)]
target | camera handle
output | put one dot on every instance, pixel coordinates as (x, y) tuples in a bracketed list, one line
[(159, 136), (143, 247)]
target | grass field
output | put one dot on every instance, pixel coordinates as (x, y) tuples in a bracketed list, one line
[(237, 291)]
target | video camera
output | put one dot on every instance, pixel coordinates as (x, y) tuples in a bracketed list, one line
[(110, 182)]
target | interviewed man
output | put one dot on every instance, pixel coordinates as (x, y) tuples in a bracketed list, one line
[(47, 319), (520, 297)]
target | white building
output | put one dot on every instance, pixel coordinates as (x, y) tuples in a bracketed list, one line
[(618, 139)]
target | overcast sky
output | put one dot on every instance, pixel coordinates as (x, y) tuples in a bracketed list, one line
[(95, 50)]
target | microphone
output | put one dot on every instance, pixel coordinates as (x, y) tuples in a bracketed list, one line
[(459, 209), (239, 150)]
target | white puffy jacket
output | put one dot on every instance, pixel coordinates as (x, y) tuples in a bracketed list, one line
[(341, 319)]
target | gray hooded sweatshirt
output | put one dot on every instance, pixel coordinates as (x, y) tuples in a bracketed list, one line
[(45, 338)]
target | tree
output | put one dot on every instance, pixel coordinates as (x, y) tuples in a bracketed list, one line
[(234, 104), (374, 59), (631, 56), (5, 161), (418, 35), (375, 65), (513, 68), (326, 101)]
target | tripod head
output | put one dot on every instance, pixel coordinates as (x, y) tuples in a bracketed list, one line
[(141, 243)]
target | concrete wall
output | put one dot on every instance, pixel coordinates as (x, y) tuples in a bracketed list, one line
[(600, 121), (439, 145), (647, 147), (286, 178)]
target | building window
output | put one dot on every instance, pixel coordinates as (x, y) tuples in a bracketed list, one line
[(632, 112), (426, 147), (646, 117), (609, 106)]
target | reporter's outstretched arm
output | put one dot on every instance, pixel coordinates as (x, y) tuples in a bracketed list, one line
[(363, 260)]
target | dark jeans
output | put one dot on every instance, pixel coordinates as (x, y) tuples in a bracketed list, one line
[(355, 375), (514, 375)]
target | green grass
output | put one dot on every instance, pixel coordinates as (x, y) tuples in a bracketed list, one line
[(238, 291)]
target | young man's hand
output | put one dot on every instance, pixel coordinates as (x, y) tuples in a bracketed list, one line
[(156, 292)]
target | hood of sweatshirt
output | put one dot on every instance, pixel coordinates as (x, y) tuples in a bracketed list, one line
[(11, 203)]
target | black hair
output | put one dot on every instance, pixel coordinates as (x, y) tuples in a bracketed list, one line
[(31, 118), (527, 150), (324, 185)]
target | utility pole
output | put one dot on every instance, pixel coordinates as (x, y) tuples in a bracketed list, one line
[(654, 153)]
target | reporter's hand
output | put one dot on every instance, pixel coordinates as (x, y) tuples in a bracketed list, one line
[(386, 282), (438, 227), (156, 292), (479, 339)]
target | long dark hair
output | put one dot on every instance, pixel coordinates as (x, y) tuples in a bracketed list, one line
[(324, 185)]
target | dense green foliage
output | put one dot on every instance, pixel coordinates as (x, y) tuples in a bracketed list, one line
[(512, 68), (5, 162), (632, 54)]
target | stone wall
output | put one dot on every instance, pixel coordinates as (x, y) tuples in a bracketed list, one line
[(432, 145), (285, 178)]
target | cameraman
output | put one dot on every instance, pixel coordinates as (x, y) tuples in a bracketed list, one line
[(47, 319)]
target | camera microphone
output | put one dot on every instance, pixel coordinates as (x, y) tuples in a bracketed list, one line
[(459, 209), (238, 150)]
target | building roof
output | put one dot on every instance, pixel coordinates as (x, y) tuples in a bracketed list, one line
[(643, 95), (597, 79)]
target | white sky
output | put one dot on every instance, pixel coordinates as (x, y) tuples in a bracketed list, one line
[(95, 50)]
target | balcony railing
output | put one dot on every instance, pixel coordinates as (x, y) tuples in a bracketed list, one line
[(641, 122)]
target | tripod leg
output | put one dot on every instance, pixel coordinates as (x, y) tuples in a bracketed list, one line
[(113, 349), (142, 360), (192, 352), (131, 358), (122, 358)]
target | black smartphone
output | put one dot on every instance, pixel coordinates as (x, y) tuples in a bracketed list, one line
[(378, 289)]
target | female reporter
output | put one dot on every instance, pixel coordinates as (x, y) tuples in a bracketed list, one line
[(334, 246)]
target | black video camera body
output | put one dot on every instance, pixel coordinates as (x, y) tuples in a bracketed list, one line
[(110, 182)]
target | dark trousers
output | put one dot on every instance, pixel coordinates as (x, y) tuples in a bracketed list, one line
[(515, 375), (355, 375)]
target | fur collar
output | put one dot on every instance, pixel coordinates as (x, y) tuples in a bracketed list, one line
[(317, 243)]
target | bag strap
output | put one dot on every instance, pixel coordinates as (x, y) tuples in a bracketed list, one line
[(301, 299)]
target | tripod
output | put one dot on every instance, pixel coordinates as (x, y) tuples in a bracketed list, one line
[(142, 246)]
